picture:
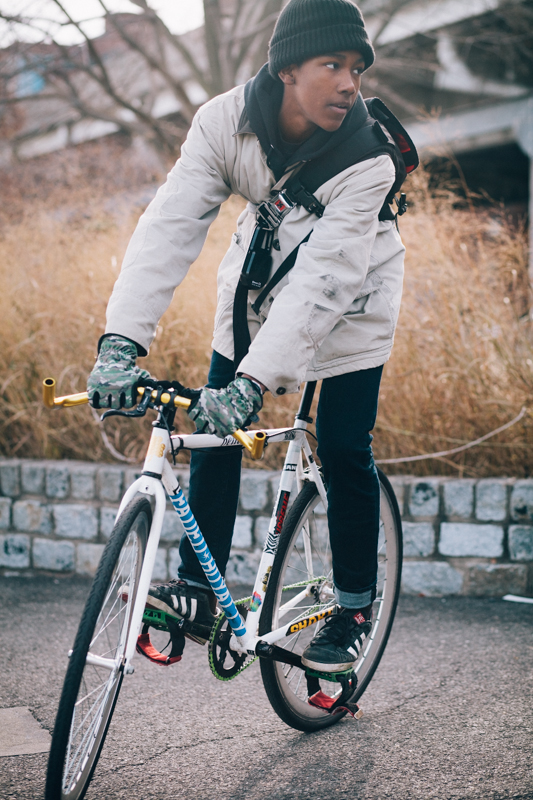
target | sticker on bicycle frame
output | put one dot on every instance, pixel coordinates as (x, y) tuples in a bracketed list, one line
[(156, 449), (290, 467), (266, 576), (256, 602), (305, 623), (229, 441), (272, 538)]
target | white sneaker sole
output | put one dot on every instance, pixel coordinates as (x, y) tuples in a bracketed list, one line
[(319, 666)]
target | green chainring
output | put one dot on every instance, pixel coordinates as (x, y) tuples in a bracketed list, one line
[(240, 662), (158, 619)]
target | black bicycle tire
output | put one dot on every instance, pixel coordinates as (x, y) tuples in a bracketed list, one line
[(269, 671), (60, 737)]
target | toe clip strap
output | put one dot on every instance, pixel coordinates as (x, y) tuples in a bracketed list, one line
[(146, 648), (330, 705)]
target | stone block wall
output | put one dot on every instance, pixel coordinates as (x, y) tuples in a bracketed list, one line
[(465, 536), (460, 536)]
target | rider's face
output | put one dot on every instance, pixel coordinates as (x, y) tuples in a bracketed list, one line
[(320, 92)]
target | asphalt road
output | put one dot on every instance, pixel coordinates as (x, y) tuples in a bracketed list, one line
[(448, 714)]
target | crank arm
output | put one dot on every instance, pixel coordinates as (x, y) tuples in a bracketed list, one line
[(275, 653)]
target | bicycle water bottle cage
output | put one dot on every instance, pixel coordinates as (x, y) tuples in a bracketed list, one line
[(140, 411)]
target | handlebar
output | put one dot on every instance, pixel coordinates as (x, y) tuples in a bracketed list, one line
[(254, 444)]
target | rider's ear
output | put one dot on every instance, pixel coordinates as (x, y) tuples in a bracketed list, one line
[(286, 75)]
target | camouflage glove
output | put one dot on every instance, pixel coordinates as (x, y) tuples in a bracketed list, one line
[(223, 411), (114, 379)]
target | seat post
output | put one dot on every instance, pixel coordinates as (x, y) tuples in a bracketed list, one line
[(305, 402)]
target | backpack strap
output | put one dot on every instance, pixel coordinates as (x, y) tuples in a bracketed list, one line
[(279, 274), (241, 332), (381, 134)]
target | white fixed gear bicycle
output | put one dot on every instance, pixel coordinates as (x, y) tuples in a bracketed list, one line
[(293, 592)]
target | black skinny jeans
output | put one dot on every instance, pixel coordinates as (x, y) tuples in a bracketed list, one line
[(346, 414)]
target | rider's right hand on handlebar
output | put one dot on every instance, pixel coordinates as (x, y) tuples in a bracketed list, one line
[(114, 380), (223, 411)]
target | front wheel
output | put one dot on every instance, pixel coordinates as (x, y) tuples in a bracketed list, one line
[(96, 665), (301, 585)]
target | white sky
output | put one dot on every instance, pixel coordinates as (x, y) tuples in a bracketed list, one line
[(179, 15)]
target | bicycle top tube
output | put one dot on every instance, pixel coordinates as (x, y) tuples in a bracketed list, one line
[(200, 441)]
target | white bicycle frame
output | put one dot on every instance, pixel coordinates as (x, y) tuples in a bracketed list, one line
[(158, 480)]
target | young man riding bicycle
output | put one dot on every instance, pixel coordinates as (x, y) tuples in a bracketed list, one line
[(330, 318)]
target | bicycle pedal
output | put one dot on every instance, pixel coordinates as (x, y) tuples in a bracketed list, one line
[(157, 619), (333, 677)]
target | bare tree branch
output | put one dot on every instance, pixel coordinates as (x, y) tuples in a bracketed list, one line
[(158, 66), (175, 41)]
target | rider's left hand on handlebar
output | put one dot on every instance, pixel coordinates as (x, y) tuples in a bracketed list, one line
[(223, 411), (114, 380)]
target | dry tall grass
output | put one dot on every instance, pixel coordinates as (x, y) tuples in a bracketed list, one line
[(462, 363)]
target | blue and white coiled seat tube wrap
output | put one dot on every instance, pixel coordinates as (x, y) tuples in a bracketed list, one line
[(207, 562)]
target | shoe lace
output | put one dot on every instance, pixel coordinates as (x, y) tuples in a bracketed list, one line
[(335, 628), (167, 587)]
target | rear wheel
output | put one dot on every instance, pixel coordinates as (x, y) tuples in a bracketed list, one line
[(96, 665), (301, 584)]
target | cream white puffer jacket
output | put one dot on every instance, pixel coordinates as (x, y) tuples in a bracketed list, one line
[(335, 311)]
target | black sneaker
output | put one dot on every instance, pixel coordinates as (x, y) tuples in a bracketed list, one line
[(195, 605), (180, 600), (338, 643)]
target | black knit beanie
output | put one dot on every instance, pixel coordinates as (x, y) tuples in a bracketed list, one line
[(309, 28)]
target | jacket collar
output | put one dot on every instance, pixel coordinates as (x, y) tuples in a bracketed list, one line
[(244, 124)]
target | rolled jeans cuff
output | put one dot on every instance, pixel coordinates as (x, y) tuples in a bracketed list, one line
[(354, 600)]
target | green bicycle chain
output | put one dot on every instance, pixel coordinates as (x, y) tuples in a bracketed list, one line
[(222, 618)]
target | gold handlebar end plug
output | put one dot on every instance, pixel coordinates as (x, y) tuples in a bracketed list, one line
[(51, 401)]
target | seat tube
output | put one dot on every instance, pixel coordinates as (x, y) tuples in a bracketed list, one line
[(285, 489)]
